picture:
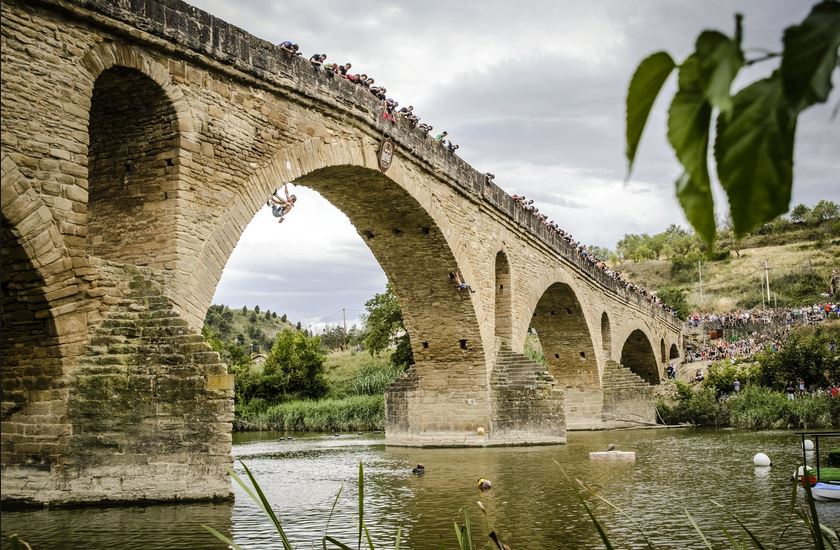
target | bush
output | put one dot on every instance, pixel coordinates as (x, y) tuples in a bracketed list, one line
[(806, 354), (760, 408), (721, 376), (674, 298), (693, 407)]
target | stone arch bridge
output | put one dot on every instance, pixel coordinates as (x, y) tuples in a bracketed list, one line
[(139, 138)]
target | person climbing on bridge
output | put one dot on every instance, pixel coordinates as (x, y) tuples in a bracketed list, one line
[(280, 206), (458, 280)]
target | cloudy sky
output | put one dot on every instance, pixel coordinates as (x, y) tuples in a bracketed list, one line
[(533, 92)]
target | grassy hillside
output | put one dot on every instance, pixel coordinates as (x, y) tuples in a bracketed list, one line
[(800, 265), (248, 327)]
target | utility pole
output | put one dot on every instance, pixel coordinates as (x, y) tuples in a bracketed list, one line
[(761, 290), (767, 279), (700, 272), (344, 320)]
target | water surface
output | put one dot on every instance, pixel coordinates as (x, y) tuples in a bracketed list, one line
[(531, 505)]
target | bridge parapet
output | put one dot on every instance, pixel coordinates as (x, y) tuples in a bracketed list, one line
[(178, 22)]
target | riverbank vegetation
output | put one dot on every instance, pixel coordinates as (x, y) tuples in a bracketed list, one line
[(810, 354), (296, 381)]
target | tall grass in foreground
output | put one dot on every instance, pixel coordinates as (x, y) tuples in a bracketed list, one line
[(823, 537), (357, 413)]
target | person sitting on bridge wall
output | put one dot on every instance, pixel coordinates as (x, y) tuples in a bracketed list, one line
[(279, 206), (452, 147), (458, 280), (440, 138)]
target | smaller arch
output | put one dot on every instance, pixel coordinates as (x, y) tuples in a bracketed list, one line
[(674, 352), (606, 334), (638, 356), (503, 298)]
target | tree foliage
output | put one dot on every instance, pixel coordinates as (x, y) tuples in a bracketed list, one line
[(755, 128), (809, 353), (294, 369), (384, 327)]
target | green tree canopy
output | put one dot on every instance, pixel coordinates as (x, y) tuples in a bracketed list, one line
[(384, 327)]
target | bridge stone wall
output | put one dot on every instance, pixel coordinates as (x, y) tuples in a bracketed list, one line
[(138, 141)]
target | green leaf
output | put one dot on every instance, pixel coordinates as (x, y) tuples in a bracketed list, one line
[(222, 538), (754, 154), (697, 528), (810, 56), (361, 503), (689, 117), (645, 84), (719, 60), (698, 205)]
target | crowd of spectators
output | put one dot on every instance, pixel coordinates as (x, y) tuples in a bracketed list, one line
[(805, 315), (720, 348), (767, 329), (389, 105)]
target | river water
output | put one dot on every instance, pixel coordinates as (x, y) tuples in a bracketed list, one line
[(531, 504)]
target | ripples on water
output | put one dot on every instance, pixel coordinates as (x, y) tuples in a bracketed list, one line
[(530, 506)]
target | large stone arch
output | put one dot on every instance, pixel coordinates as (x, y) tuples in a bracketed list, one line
[(134, 158), (637, 355), (401, 221), (567, 345), (503, 298)]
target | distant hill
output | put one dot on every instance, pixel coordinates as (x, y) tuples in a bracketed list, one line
[(800, 259), (253, 327)]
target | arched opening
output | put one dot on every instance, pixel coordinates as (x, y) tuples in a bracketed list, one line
[(30, 357), (637, 355), (503, 298), (662, 349), (606, 336), (674, 352), (133, 162), (412, 250), (569, 353)]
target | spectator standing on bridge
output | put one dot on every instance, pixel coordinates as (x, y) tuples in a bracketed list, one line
[(280, 206)]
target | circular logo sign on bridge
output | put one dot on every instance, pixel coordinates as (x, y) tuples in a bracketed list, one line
[(386, 154)]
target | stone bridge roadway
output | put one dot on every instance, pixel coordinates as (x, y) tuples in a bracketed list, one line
[(139, 138)]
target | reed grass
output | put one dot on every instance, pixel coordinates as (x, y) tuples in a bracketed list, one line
[(357, 413)]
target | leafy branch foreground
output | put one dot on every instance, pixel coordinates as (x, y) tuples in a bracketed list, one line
[(823, 537), (754, 129)]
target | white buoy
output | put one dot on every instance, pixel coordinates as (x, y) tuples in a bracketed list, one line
[(762, 459), (809, 445)]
